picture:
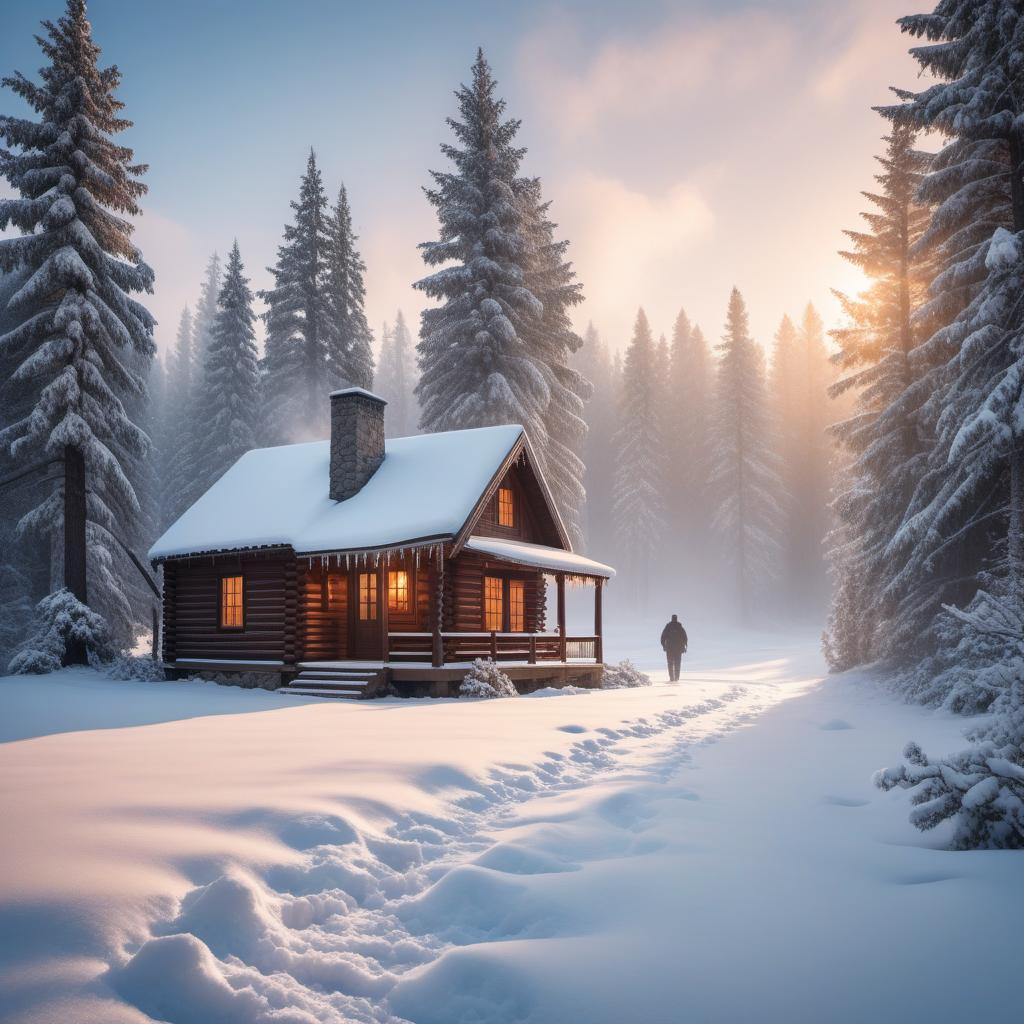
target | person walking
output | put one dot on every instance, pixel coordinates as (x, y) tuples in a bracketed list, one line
[(674, 642)]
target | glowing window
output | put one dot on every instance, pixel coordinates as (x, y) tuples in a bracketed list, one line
[(494, 610), (506, 507), (232, 608), (335, 590), (398, 591), (367, 596), (517, 606)]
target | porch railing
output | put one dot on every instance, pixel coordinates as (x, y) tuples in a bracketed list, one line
[(527, 647)]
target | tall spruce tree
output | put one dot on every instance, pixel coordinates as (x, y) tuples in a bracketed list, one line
[(966, 516), (298, 319), (800, 376), (745, 478), (596, 365), (396, 379), (962, 538), (688, 444), (180, 430), (230, 387), (190, 443), (552, 341), (884, 450), (638, 502), (349, 339), (82, 340), (476, 368)]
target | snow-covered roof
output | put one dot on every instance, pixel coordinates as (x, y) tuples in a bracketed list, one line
[(539, 556), (426, 488)]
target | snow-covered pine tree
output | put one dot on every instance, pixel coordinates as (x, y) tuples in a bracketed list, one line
[(298, 316), (966, 515), (553, 341), (687, 445), (230, 387), (601, 413), (798, 387), (349, 338), (193, 438), (81, 338), (396, 379), (475, 367), (180, 432), (745, 478), (882, 440), (968, 509), (638, 500), (206, 310)]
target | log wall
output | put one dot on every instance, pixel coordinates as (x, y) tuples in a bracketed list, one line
[(192, 609)]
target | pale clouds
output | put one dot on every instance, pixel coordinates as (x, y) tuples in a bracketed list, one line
[(691, 62), (629, 243), (764, 114)]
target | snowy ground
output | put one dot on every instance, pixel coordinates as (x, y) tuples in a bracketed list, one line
[(711, 851)]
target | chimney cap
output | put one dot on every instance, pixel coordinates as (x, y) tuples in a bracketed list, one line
[(358, 391)]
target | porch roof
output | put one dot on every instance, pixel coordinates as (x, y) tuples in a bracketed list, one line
[(538, 556)]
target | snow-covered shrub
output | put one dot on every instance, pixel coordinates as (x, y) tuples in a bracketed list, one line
[(979, 652), (59, 617), (485, 679), (981, 788), (623, 676), (131, 666)]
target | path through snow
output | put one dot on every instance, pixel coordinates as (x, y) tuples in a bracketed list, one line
[(593, 857)]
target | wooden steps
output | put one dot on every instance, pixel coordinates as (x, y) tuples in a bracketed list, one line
[(340, 683)]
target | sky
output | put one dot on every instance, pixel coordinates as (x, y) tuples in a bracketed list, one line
[(686, 146)]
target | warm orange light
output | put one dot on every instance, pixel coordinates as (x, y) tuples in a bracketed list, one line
[(367, 596), (506, 507), (398, 591), (232, 609), (494, 612)]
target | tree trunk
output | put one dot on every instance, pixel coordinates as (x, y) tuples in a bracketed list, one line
[(74, 541)]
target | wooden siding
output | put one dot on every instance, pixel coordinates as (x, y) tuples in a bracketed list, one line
[(323, 600), (464, 588), (192, 604)]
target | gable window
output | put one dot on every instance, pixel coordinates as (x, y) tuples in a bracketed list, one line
[(232, 605), (494, 605), (367, 596), (506, 507), (398, 591), (517, 606)]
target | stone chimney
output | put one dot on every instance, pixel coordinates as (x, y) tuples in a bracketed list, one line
[(357, 440)]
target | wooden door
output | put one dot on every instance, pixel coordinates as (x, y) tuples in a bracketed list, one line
[(367, 595)]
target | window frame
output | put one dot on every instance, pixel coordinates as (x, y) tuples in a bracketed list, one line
[(398, 609), (242, 605), (506, 580), (372, 598), (513, 524), (514, 582), (502, 605)]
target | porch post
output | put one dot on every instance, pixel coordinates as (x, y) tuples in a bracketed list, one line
[(599, 642), (437, 643), (382, 597), (560, 580)]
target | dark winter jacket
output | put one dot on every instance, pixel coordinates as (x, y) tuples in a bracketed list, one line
[(674, 638)]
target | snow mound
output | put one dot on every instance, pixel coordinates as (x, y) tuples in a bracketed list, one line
[(486, 680)]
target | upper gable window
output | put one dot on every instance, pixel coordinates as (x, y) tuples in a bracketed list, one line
[(506, 507), (232, 605)]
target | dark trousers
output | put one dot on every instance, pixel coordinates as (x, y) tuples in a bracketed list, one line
[(675, 659)]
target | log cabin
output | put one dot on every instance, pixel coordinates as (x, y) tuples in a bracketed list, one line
[(359, 566)]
